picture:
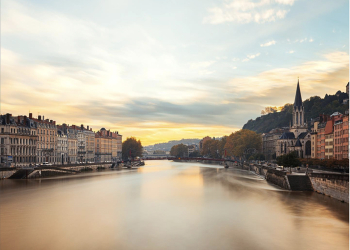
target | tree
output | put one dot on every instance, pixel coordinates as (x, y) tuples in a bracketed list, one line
[(257, 156), (131, 148), (289, 160), (195, 154), (243, 142), (179, 150)]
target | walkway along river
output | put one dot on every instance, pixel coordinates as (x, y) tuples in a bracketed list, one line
[(167, 205)]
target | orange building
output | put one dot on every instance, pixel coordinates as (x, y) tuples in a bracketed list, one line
[(341, 137), (329, 139)]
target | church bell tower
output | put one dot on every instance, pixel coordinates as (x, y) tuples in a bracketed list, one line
[(298, 110)]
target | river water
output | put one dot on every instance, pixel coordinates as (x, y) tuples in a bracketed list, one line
[(167, 205)]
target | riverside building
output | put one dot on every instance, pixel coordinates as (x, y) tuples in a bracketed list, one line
[(18, 141), (47, 139), (62, 147)]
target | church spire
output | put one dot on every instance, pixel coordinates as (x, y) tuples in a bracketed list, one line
[(298, 101)]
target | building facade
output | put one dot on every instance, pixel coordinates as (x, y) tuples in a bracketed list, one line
[(103, 146), (18, 141), (269, 142), (62, 147), (47, 139)]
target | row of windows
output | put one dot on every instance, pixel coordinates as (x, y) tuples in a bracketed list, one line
[(42, 131)]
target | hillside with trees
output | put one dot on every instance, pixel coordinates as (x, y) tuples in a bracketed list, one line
[(278, 117)]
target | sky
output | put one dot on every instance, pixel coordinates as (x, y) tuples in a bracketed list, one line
[(167, 70)]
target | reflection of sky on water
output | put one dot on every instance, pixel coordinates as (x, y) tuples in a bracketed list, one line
[(167, 205)]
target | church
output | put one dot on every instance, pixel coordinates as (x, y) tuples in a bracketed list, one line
[(297, 138)]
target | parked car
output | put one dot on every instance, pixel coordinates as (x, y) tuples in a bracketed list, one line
[(46, 164)]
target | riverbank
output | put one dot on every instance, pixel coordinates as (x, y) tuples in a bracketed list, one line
[(58, 170), (335, 185)]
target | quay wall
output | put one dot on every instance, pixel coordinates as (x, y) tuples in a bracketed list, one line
[(333, 185), (56, 170), (6, 174), (278, 178)]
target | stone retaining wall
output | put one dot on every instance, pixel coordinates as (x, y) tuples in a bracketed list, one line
[(6, 174), (333, 185), (278, 178)]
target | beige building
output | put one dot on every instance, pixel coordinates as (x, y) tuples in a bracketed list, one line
[(103, 146), (269, 143), (18, 141), (62, 148), (72, 148), (90, 143), (47, 139)]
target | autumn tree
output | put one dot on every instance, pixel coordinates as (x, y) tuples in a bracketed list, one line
[(131, 148), (243, 142), (214, 148), (179, 150)]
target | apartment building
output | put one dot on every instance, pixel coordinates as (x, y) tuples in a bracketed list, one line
[(47, 139), (18, 141)]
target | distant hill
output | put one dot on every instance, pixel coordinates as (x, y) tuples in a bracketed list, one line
[(166, 146), (314, 106)]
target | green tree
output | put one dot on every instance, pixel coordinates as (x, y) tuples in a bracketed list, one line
[(289, 160), (195, 154), (131, 148)]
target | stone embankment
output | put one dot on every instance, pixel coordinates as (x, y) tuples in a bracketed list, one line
[(55, 170), (335, 185)]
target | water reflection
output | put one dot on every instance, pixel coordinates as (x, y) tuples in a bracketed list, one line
[(167, 205)]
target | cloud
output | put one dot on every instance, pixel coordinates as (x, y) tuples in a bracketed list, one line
[(268, 43), (313, 73), (241, 11), (291, 52), (250, 57)]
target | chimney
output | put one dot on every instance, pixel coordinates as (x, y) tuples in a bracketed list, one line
[(87, 127), (43, 118), (54, 122), (30, 115), (8, 118), (39, 117), (82, 126)]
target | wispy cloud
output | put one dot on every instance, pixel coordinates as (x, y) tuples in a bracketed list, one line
[(273, 42), (291, 52), (250, 57), (241, 11)]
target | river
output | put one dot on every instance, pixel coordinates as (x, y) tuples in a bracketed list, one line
[(167, 205)]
